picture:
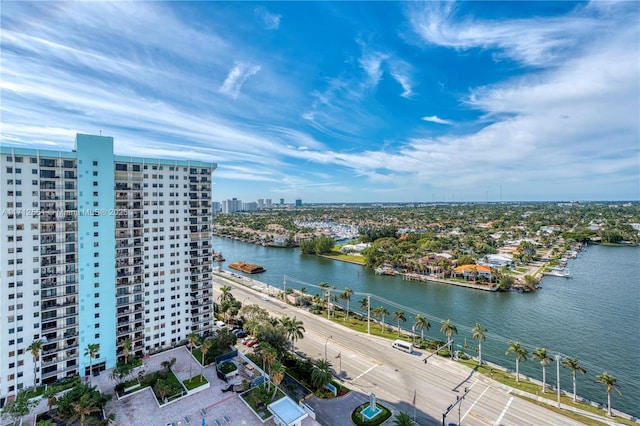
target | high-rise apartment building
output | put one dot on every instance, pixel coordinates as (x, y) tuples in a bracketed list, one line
[(97, 248)]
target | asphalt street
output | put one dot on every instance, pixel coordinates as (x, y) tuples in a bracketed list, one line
[(369, 364)]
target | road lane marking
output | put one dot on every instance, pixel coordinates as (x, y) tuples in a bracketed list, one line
[(365, 372), (504, 411), (475, 402)]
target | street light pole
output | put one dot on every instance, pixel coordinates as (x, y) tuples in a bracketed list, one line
[(325, 347), (369, 314)]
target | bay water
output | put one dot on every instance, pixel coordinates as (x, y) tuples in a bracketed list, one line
[(594, 316)]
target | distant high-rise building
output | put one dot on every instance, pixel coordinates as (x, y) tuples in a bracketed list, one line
[(101, 249), (231, 206), (269, 204), (298, 202), (215, 207), (282, 201), (250, 207), (260, 203)]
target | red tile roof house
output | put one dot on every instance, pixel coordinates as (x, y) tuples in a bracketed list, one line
[(473, 271)]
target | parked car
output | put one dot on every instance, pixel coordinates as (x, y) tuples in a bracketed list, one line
[(241, 334), (252, 342), (220, 324), (236, 331)]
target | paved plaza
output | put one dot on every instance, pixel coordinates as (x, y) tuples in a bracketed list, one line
[(141, 409)]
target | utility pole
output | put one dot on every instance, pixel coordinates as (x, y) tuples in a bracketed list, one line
[(558, 377)]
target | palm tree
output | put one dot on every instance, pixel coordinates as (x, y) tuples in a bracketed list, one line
[(192, 338), (364, 304), (126, 348), (479, 333), (321, 373), (276, 374), (521, 354), (324, 286), (403, 419), (294, 329), (574, 365), (346, 295), (421, 323), (35, 347), (610, 382), (225, 293), (269, 356), (50, 395), (448, 329), (92, 350), (399, 316), (541, 354), (381, 312), (83, 408), (205, 345)]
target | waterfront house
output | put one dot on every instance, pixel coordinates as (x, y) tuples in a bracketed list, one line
[(473, 271)]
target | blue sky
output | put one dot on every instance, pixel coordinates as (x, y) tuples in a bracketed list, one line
[(341, 101)]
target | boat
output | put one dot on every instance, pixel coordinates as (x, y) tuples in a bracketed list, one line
[(559, 272), (384, 271), (247, 268), (218, 257)]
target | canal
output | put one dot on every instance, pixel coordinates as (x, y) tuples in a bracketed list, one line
[(594, 316)]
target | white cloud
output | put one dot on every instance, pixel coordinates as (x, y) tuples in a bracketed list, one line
[(268, 20), (532, 41), (436, 119), (236, 78)]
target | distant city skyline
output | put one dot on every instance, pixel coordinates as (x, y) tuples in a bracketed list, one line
[(340, 102)]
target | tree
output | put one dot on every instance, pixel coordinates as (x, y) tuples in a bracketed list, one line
[(92, 350), (162, 389), (294, 330), (346, 295), (403, 419), (610, 382), (126, 348), (50, 395), (276, 374), (479, 333), (269, 356), (449, 329), (321, 373), (381, 312), (83, 408), (192, 339), (225, 294), (205, 345), (325, 287), (364, 304), (35, 347), (541, 354), (400, 317), (574, 366), (521, 354), (421, 323), (18, 408)]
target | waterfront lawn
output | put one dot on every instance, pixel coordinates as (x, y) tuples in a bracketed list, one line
[(533, 388), (195, 381), (336, 255)]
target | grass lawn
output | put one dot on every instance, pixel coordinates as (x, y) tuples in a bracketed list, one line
[(336, 255), (536, 389), (194, 382)]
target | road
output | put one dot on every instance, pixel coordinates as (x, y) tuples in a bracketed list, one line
[(369, 364)]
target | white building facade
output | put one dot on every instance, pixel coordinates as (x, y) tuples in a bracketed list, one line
[(99, 249)]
